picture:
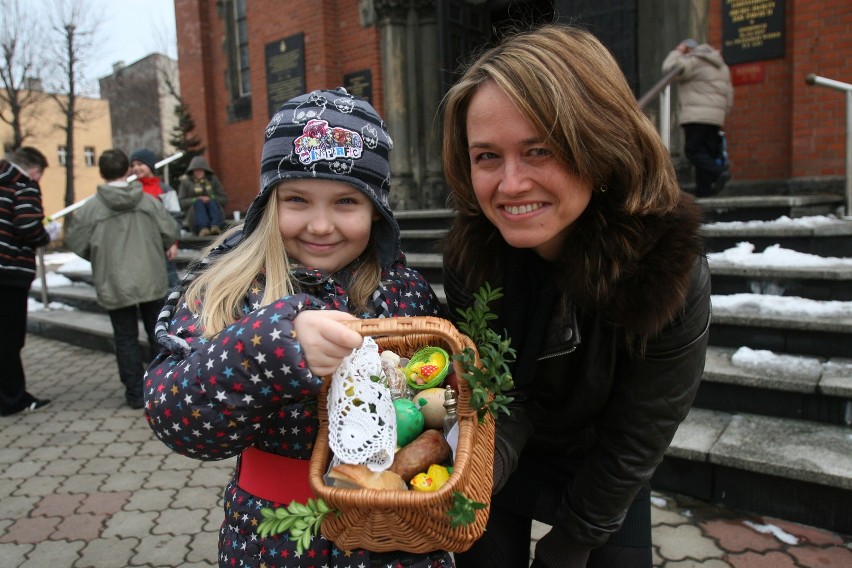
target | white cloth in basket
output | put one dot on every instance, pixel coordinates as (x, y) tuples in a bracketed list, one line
[(361, 416)]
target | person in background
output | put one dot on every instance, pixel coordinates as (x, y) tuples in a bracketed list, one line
[(202, 198), (125, 233), (705, 97), (567, 200), (21, 231), (143, 164), (261, 321)]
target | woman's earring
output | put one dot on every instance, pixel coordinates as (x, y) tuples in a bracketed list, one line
[(603, 187)]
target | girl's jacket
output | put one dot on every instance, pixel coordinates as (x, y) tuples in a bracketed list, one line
[(211, 399)]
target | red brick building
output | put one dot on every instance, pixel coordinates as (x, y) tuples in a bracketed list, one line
[(238, 59)]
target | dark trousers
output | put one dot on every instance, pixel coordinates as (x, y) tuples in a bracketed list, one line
[(13, 333), (506, 541), (125, 327), (702, 145), (206, 214)]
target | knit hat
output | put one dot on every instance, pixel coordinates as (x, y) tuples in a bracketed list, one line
[(690, 43), (145, 156), (335, 136)]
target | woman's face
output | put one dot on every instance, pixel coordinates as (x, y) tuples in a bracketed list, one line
[(529, 194), (325, 224)]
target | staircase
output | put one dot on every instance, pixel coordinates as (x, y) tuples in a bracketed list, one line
[(771, 437)]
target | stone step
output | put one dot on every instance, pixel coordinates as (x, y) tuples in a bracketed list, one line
[(815, 282), (740, 320), (826, 237), (769, 207), (780, 467), (424, 219), (91, 330), (770, 384)]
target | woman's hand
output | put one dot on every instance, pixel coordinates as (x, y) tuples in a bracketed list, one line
[(324, 339)]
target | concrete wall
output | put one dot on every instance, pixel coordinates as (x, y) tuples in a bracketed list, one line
[(94, 132)]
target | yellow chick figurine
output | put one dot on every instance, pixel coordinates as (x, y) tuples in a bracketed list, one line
[(434, 478)]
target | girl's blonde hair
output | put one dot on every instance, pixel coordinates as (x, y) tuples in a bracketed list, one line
[(217, 294)]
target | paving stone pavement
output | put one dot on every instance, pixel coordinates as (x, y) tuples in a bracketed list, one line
[(85, 483)]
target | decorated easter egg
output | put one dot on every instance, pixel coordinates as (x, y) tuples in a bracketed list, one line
[(409, 420), (433, 410)]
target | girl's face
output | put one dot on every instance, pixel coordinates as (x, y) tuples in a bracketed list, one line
[(529, 194), (140, 170), (325, 224)]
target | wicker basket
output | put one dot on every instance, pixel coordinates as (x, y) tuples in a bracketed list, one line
[(413, 521)]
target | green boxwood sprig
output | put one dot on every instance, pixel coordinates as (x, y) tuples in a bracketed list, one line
[(300, 520), (487, 384)]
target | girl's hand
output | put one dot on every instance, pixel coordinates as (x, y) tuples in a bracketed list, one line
[(324, 339)]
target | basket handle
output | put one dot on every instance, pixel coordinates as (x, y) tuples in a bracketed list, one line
[(411, 325)]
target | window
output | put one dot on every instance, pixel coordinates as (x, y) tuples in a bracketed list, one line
[(242, 55), (89, 152), (62, 155)]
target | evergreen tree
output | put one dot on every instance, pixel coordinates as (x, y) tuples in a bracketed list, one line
[(183, 139)]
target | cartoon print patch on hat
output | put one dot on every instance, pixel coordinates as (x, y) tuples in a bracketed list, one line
[(319, 141)]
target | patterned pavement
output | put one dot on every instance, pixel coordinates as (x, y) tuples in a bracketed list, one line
[(85, 483)]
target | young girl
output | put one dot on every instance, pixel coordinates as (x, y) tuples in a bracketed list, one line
[(259, 323)]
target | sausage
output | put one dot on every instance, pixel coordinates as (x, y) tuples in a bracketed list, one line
[(416, 456)]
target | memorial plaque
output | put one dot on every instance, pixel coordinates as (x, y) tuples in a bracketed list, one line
[(360, 84), (752, 30), (285, 70)]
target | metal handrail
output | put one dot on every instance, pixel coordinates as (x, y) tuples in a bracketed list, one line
[(662, 88), (847, 88)]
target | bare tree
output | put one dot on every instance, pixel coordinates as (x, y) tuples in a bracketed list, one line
[(73, 26), (20, 40)]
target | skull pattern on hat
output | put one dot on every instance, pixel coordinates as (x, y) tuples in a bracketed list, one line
[(332, 135)]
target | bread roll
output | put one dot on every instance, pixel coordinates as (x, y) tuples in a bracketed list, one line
[(360, 476)]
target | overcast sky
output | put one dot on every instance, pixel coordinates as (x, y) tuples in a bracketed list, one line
[(132, 30), (127, 30)]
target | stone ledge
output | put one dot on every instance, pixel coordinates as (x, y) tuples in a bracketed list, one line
[(835, 324), (787, 448)]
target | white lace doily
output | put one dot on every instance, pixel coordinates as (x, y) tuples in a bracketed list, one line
[(361, 417)]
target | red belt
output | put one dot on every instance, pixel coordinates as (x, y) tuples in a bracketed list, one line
[(273, 477)]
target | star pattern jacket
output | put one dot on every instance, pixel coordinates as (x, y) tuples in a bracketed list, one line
[(211, 399)]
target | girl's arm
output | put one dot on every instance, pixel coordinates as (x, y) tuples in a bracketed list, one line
[(212, 401)]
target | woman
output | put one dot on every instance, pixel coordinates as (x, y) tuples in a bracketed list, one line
[(567, 199)]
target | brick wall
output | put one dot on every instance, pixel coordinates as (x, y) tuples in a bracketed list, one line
[(781, 127), (335, 44)]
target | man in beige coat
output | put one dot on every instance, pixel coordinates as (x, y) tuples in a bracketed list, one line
[(705, 97)]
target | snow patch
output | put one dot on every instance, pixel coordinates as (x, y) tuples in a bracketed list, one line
[(775, 531)]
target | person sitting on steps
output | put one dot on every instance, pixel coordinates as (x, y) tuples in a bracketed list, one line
[(202, 198)]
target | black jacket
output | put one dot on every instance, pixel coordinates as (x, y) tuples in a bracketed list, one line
[(595, 410)]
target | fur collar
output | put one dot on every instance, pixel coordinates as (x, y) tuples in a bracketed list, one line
[(635, 269)]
